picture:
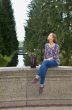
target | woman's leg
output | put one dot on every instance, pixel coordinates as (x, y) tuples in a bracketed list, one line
[(42, 72), (43, 69)]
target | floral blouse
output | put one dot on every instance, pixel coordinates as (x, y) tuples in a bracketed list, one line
[(52, 52)]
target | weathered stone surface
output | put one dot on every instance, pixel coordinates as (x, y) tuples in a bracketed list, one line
[(56, 91), (16, 88), (12, 89)]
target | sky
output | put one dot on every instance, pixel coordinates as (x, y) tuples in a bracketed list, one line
[(20, 13)]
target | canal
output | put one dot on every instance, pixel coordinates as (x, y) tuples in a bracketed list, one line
[(17, 61), (20, 61)]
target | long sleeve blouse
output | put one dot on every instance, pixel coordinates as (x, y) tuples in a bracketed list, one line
[(52, 52)]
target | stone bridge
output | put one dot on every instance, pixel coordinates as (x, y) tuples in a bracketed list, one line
[(16, 89)]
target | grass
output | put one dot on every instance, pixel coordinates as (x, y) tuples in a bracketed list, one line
[(6, 59)]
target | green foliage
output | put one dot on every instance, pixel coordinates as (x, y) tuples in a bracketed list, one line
[(27, 60), (47, 16), (4, 60), (8, 39)]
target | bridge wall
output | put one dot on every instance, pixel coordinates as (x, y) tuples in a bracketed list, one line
[(16, 89)]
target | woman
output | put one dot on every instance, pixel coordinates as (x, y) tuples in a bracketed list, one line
[(51, 59)]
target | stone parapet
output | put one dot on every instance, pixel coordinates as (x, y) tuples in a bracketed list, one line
[(16, 89)]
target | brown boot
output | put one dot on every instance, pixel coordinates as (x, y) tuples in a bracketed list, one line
[(41, 90), (35, 80)]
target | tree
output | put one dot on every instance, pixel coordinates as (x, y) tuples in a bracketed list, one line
[(47, 16), (8, 32)]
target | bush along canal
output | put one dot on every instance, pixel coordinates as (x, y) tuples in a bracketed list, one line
[(4, 60)]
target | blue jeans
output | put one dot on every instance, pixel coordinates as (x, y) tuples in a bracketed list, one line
[(44, 67)]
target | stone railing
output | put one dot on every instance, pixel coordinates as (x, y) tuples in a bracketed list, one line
[(16, 89)]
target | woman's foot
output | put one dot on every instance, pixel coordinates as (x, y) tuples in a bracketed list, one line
[(41, 90), (35, 80)]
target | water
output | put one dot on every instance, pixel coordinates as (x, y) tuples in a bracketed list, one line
[(17, 61), (20, 61)]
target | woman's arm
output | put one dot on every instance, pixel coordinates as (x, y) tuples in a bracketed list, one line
[(56, 53), (45, 51)]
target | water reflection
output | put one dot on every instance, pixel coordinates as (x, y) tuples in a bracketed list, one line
[(20, 61)]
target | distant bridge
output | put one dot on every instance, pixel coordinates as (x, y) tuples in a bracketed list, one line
[(21, 51)]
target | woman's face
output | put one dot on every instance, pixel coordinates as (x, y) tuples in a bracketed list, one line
[(50, 38)]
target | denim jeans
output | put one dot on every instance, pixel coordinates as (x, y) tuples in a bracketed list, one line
[(44, 67)]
